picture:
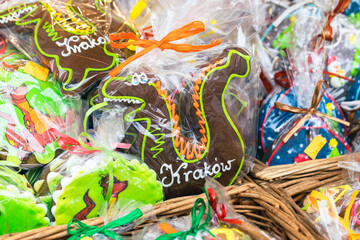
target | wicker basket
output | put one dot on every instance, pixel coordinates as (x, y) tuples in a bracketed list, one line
[(267, 197)]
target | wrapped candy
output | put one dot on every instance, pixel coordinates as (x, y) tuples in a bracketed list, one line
[(273, 120), (283, 22), (118, 218), (177, 101), (174, 174), (320, 130), (71, 38), (341, 63), (224, 224), (306, 137), (335, 211), (20, 210), (78, 182), (334, 208), (30, 105)]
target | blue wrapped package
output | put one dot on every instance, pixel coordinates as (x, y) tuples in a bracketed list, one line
[(272, 121)]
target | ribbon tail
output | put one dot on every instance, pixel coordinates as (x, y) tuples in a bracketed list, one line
[(193, 48), (296, 127), (286, 108), (320, 114), (118, 69)]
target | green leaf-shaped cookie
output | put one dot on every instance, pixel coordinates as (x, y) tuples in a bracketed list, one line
[(19, 209), (82, 197)]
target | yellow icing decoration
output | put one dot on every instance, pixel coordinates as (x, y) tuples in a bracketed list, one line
[(292, 19), (333, 143), (228, 232), (36, 70), (315, 146), (352, 38), (330, 106)]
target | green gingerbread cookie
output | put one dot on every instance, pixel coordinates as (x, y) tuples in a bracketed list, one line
[(79, 184), (19, 209)]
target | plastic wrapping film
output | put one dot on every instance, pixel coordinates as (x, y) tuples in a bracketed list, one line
[(342, 59), (70, 37), (352, 106), (216, 219), (282, 21), (183, 127), (20, 210), (30, 105), (335, 208), (305, 64), (77, 183), (273, 121), (119, 217), (351, 172), (138, 13)]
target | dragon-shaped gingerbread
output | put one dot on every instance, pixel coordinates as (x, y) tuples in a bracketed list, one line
[(188, 138), (71, 38)]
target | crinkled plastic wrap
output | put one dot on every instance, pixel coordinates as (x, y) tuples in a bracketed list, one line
[(29, 109), (286, 24), (20, 210), (317, 137), (122, 209), (137, 12), (273, 123), (70, 37), (222, 223), (183, 124), (334, 209), (343, 59), (77, 183)]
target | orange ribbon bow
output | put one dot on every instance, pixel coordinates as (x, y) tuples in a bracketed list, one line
[(340, 8), (165, 43), (327, 32)]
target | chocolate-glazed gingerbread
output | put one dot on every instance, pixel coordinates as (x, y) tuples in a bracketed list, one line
[(182, 162), (71, 37)]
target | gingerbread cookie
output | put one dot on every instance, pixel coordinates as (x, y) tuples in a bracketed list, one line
[(29, 108), (272, 120), (182, 160), (19, 209), (71, 38), (82, 182)]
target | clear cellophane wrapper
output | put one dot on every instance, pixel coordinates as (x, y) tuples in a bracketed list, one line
[(78, 182), (120, 209), (187, 109), (334, 209), (69, 37), (342, 59), (284, 21), (31, 106), (306, 63), (20, 210), (138, 13), (230, 225)]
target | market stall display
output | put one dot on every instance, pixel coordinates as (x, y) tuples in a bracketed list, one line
[(156, 119)]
